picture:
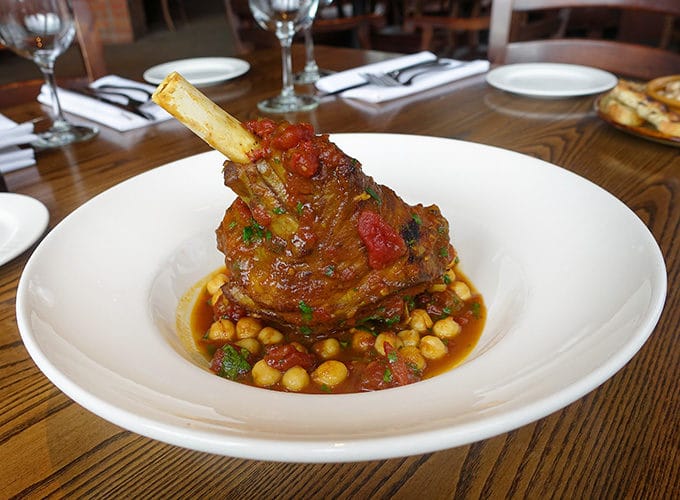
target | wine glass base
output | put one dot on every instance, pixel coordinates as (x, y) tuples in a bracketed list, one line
[(61, 136), (306, 77), (288, 104)]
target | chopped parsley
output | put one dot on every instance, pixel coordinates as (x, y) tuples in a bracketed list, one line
[(373, 195), (476, 309), (254, 233), (393, 320), (330, 270), (417, 218), (298, 207), (305, 310), (387, 375), (234, 363), (279, 210), (392, 357)]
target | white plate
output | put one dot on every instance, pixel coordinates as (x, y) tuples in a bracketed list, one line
[(551, 79), (572, 289), (22, 221), (200, 71)]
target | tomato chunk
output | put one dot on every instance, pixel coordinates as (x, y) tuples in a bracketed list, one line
[(302, 159), (292, 135), (285, 356), (383, 243)]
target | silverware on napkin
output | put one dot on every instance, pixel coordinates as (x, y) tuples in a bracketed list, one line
[(395, 73), (132, 105)]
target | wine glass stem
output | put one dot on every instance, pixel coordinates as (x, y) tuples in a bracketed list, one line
[(310, 64), (287, 67), (58, 119)]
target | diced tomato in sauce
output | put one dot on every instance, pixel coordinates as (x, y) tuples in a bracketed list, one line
[(286, 356), (383, 243)]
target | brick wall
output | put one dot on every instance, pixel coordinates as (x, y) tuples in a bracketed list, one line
[(119, 21)]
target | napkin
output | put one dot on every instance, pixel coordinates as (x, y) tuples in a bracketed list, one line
[(12, 135), (376, 94), (104, 113)]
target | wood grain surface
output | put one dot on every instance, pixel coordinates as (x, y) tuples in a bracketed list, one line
[(619, 441)]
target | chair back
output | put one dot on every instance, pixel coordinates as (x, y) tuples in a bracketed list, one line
[(510, 40), (452, 18), (250, 36), (89, 40)]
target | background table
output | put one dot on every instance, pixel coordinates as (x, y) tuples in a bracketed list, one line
[(620, 440)]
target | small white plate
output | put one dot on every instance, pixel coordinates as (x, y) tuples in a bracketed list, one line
[(200, 71), (22, 221), (572, 291), (551, 79)]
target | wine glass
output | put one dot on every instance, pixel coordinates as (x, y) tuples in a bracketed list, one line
[(41, 30), (285, 18), (311, 72)]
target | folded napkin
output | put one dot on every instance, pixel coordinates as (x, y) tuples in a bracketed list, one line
[(12, 134), (108, 114), (426, 81)]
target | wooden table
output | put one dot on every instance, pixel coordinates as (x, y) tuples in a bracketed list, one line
[(619, 441)]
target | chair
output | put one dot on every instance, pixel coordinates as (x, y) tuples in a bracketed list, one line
[(250, 36), (454, 17), (91, 49), (508, 45)]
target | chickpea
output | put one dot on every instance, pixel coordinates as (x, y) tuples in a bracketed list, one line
[(215, 298), (409, 337), (387, 338), (432, 347), (252, 345), (412, 355), (295, 379), (269, 335), (461, 290), (299, 346), (222, 330), (330, 373), (248, 328), (216, 283), (446, 328), (327, 348), (264, 375), (362, 340), (420, 321)]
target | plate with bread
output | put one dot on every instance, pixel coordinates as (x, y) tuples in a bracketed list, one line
[(649, 110)]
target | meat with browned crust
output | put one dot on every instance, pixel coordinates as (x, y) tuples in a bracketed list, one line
[(314, 244)]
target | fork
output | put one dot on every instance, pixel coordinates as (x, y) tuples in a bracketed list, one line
[(396, 73), (390, 79)]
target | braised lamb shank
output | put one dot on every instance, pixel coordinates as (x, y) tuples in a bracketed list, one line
[(314, 244)]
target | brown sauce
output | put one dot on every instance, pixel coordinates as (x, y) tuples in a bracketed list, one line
[(471, 317)]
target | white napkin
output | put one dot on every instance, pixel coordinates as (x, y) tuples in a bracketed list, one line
[(375, 94), (105, 113), (12, 135)]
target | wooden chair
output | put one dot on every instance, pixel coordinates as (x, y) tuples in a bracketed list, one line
[(91, 49), (508, 45), (452, 20), (250, 36)]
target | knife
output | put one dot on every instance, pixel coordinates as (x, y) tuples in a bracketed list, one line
[(124, 106)]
